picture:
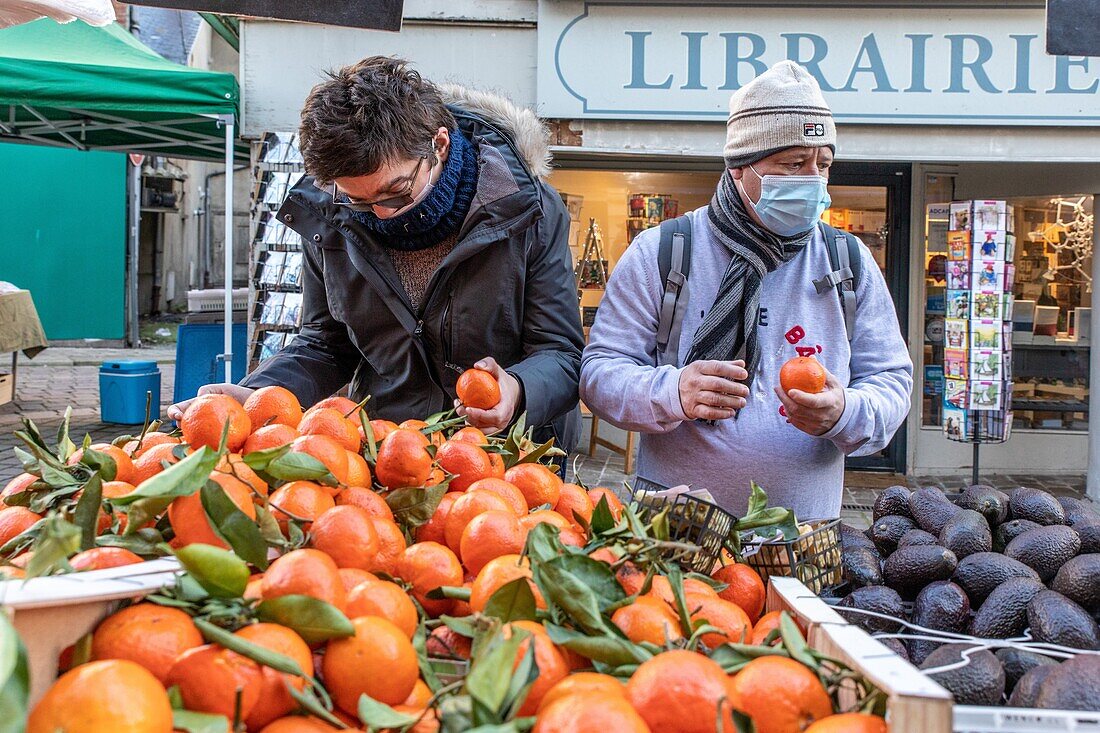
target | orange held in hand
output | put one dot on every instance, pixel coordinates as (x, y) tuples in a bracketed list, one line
[(803, 373), (478, 389)]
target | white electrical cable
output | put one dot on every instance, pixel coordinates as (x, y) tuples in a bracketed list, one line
[(1024, 643)]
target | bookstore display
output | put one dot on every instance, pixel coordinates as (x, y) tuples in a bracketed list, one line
[(1036, 283), (275, 287), (977, 355)]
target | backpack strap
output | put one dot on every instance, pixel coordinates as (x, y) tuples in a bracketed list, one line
[(674, 263), (847, 264)]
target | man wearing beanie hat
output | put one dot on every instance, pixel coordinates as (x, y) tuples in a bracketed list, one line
[(709, 405)]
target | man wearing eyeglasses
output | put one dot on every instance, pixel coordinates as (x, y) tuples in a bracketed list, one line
[(432, 245)]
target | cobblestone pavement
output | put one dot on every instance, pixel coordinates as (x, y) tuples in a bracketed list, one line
[(60, 377), (69, 377)]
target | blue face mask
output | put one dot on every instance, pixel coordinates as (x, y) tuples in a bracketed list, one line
[(790, 205)]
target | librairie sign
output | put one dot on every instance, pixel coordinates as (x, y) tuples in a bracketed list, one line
[(876, 65)]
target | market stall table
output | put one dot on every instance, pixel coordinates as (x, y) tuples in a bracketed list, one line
[(20, 330)]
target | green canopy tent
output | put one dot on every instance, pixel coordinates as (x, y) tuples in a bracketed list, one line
[(89, 88)]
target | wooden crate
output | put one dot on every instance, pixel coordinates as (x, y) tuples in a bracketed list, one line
[(52, 613), (915, 703)]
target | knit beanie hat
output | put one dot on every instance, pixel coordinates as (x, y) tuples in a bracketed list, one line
[(781, 108)]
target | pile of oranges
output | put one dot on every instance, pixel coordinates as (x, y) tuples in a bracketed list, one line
[(404, 552)]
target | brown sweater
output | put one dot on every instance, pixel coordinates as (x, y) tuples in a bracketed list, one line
[(415, 269)]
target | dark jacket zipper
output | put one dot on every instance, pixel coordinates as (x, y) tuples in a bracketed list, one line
[(445, 332)]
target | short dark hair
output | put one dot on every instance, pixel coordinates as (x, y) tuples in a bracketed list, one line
[(367, 115)]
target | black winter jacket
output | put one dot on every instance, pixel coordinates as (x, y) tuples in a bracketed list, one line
[(505, 291)]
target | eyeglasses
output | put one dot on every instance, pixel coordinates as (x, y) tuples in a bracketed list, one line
[(399, 201)]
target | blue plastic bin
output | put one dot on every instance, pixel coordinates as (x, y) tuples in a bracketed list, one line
[(197, 348), (123, 386)]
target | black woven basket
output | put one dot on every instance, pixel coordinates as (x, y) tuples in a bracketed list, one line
[(691, 520), (814, 558)]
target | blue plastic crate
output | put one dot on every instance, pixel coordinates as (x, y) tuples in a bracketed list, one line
[(197, 348), (124, 387)]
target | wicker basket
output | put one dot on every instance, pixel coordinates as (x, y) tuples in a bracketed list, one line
[(690, 520), (814, 558)]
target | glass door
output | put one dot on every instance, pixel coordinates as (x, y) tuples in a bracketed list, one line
[(871, 200)]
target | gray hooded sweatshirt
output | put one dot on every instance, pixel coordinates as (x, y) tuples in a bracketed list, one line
[(621, 382)]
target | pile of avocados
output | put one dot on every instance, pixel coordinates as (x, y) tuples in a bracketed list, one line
[(989, 564)]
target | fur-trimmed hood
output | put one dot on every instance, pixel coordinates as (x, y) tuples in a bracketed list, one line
[(529, 133)]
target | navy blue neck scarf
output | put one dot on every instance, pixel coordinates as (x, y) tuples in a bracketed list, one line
[(440, 214)]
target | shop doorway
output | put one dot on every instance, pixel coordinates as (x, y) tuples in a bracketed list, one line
[(871, 200)]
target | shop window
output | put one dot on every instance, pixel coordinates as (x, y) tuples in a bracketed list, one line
[(1051, 313)]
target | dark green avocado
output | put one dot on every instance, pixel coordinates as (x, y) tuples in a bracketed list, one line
[(918, 537), (980, 682), (1003, 615), (931, 509), (980, 573), (912, 568), (966, 533), (1055, 619), (1036, 505), (942, 606), (991, 503), (1017, 663), (861, 567), (887, 530), (877, 598), (1026, 691), (1005, 533), (1079, 581), (1073, 685), (1046, 549), (894, 500)]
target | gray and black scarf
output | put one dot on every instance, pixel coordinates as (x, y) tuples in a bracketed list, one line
[(729, 330)]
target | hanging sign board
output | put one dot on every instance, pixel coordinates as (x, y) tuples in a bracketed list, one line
[(383, 15), (879, 65), (1072, 27)]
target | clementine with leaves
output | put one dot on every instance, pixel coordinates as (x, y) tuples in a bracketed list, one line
[(433, 529), (427, 566), (745, 588), (367, 500), (330, 422), (358, 471), (403, 460), (391, 547), (275, 701), (351, 665), (488, 536), (573, 502), (273, 406), (271, 436), (188, 517), (17, 484), (436, 437), (212, 680), (478, 389), (109, 696), (465, 461), (552, 665), (511, 495), (498, 573), (151, 461), (780, 695), (446, 643), (305, 572), (14, 521), (538, 484), (101, 558), (464, 509), (386, 600), (613, 502), (150, 440), (733, 624), (300, 500), (681, 691), (164, 634), (589, 712), (124, 464), (206, 418), (346, 534), (326, 450), (648, 619)]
